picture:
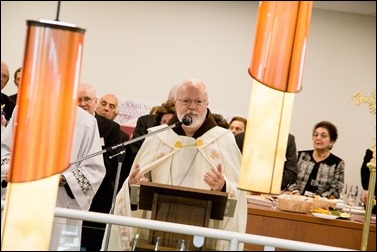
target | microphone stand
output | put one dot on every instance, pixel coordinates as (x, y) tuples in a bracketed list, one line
[(121, 156), (177, 124)]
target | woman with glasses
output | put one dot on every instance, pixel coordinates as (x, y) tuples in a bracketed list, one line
[(319, 172)]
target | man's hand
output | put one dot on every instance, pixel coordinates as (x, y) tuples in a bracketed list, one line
[(215, 178), (136, 177)]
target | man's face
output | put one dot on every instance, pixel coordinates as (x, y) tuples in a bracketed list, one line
[(192, 100), (237, 127), (17, 79), (107, 107), (87, 100), (4, 75)]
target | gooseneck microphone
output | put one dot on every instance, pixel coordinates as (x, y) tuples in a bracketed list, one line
[(187, 120)]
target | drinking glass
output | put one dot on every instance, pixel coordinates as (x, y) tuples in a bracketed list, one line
[(343, 192), (351, 197), (356, 190)]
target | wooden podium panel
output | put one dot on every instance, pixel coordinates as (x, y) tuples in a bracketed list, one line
[(178, 210), (218, 199), (182, 205)]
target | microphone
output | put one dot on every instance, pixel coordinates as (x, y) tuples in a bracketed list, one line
[(187, 120)]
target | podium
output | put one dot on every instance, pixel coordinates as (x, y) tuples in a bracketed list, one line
[(182, 205)]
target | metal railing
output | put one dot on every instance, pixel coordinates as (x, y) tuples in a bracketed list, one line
[(234, 238)]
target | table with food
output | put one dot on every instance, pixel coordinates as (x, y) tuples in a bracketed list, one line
[(316, 220)]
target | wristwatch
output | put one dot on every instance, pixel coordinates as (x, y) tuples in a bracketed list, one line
[(63, 181)]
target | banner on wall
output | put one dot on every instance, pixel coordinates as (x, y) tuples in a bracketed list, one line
[(130, 110)]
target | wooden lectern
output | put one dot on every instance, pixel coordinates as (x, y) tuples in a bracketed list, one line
[(183, 205)]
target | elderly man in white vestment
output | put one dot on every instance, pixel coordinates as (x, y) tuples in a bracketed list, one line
[(79, 183), (201, 155)]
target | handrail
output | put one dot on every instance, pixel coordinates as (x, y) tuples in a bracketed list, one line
[(233, 237)]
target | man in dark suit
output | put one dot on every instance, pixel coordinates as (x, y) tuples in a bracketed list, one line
[(143, 123), (290, 165), (365, 173), (111, 135), (108, 106)]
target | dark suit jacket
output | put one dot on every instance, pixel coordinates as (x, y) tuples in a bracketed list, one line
[(13, 97), (365, 172), (290, 165), (8, 106), (111, 135), (143, 123)]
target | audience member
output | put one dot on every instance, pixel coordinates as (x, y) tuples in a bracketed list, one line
[(78, 184), (7, 105), (110, 134), (319, 172), (237, 124), (290, 164), (201, 155), (153, 110), (220, 121), (108, 106), (143, 123), (365, 173), (17, 76), (165, 112)]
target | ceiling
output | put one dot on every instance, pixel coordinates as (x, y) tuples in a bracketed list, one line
[(367, 8)]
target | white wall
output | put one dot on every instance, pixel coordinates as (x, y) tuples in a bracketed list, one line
[(141, 49)]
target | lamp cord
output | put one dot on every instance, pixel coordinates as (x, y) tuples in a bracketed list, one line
[(58, 12)]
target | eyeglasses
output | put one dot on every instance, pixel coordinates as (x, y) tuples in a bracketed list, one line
[(187, 102), (86, 100)]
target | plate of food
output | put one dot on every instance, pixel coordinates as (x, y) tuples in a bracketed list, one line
[(345, 216), (325, 216)]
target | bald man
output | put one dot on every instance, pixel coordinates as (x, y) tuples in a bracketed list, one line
[(108, 106), (111, 135), (7, 105)]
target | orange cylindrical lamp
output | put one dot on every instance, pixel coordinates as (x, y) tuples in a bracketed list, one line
[(42, 133), (276, 68)]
